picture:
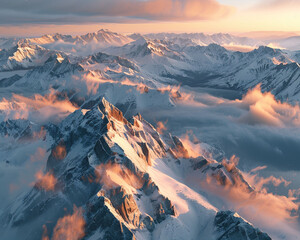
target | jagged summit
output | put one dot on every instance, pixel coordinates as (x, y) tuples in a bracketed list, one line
[(23, 56), (108, 168), (111, 111)]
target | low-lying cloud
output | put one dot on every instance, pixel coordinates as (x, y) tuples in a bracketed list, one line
[(45, 181), (257, 128), (263, 108), (69, 227), (37, 108)]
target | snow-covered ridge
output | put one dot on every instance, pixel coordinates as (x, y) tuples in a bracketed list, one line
[(206, 39), (24, 56), (103, 36), (126, 178), (153, 62), (108, 166)]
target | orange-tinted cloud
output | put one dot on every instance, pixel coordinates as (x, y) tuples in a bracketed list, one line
[(179, 10), (259, 207), (231, 163), (239, 48), (59, 152), (294, 193), (269, 211), (112, 11), (141, 87), (45, 181), (114, 175), (189, 148), (278, 4), (194, 149), (259, 168), (43, 107), (70, 227), (40, 134), (263, 108), (258, 183), (92, 83), (160, 127), (45, 233)]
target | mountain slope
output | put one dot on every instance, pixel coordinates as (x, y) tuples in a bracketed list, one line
[(108, 168), (24, 56), (206, 39), (214, 66), (80, 44)]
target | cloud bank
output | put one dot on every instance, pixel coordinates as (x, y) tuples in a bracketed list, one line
[(38, 11), (264, 109)]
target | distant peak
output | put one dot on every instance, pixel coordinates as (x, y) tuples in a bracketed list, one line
[(102, 30)]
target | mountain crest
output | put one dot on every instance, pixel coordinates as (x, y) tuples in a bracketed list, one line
[(102, 163), (111, 111)]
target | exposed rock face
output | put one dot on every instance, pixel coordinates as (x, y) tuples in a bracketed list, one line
[(124, 204), (14, 128), (23, 56), (101, 215), (222, 173), (6, 82), (178, 148), (21, 130), (230, 226), (111, 147), (110, 60), (100, 162)]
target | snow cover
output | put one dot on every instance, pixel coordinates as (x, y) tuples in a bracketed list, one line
[(130, 179)]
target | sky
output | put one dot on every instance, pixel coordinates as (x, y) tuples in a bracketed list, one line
[(38, 17)]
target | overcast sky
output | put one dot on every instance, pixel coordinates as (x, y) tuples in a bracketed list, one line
[(36, 17)]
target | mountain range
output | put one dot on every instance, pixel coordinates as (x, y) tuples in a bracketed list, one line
[(70, 114)]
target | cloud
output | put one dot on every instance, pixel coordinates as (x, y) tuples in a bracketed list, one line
[(59, 152), (259, 182), (278, 4), (113, 175), (38, 155), (38, 11), (259, 168), (264, 109), (70, 227), (38, 108), (192, 147), (45, 233), (46, 181), (18, 175), (273, 213), (217, 122), (160, 127), (239, 48)]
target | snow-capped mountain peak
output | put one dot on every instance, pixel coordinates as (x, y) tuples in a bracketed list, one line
[(108, 167)]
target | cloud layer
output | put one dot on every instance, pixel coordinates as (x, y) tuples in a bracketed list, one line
[(257, 128), (38, 11), (278, 5)]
